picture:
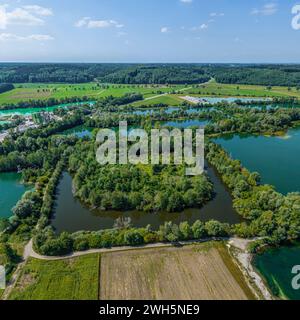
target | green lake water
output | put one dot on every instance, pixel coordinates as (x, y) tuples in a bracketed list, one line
[(79, 131), (11, 191), (275, 158), (275, 265), (70, 215)]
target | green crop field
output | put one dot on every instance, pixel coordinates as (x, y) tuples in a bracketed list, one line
[(225, 90), (26, 92), (213, 88), (72, 279), (171, 100)]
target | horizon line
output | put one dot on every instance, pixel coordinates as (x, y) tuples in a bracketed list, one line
[(147, 62)]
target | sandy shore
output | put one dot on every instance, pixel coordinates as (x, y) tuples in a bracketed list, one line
[(245, 260)]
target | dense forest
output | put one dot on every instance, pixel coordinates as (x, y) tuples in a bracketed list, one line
[(4, 87), (45, 73), (269, 75), (159, 74), (130, 187)]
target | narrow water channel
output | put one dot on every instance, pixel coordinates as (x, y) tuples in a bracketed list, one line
[(70, 215)]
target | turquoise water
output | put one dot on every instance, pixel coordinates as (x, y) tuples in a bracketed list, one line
[(29, 111), (275, 266), (183, 124), (11, 191), (79, 132), (275, 158), (214, 100), (151, 111)]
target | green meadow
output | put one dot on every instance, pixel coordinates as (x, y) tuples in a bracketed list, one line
[(26, 92), (70, 279), (214, 88), (172, 100)]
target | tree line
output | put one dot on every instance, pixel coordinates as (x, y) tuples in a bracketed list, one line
[(269, 214), (46, 242), (268, 75), (4, 87)]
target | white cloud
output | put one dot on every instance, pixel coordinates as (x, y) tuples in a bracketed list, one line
[(3, 17), (20, 16), (203, 26), (25, 16), (267, 10), (186, 1), (40, 37), (165, 30), (41, 11), (92, 24), (8, 37), (34, 37), (216, 14), (82, 22)]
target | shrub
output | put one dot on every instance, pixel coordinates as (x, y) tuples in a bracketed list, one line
[(133, 238)]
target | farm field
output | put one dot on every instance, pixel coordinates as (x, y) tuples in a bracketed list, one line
[(198, 272), (224, 90), (72, 279), (26, 92), (214, 88), (171, 100)]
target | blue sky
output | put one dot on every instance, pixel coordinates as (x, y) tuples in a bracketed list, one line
[(149, 31)]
